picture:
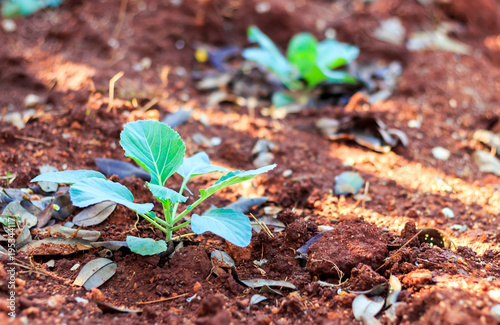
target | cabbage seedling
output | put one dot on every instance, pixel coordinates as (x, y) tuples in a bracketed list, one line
[(160, 151), (306, 59)]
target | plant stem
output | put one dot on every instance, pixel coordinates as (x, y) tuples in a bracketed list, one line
[(168, 219), (176, 205), (145, 216), (183, 213), (181, 225), (158, 220), (167, 213)]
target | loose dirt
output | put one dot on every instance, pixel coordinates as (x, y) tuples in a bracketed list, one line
[(67, 57)]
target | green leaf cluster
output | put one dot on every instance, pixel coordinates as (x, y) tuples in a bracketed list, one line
[(16, 8), (160, 151)]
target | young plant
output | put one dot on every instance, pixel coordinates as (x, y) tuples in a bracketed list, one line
[(16, 8), (306, 59), (160, 151)]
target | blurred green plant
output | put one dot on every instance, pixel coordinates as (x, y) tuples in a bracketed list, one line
[(307, 62), (17, 8)]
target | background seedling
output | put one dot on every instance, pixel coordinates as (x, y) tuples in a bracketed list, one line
[(307, 62)]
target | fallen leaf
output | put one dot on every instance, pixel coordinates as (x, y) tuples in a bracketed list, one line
[(23, 238), (14, 208), (63, 207), (278, 225), (255, 299), (108, 308), (301, 253), (95, 214), (489, 138), (244, 204), (487, 163), (366, 131), (257, 283), (394, 290), (120, 168), (111, 245), (223, 258), (365, 309), (95, 273), (55, 246), (61, 231), (175, 119), (48, 187), (45, 215)]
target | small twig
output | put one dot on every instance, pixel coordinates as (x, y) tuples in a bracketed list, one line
[(21, 137), (134, 227), (162, 299), (164, 76), (397, 252), (121, 19), (33, 268), (130, 280), (263, 226), (185, 235), (73, 235), (367, 186), (112, 82), (149, 104), (339, 272)]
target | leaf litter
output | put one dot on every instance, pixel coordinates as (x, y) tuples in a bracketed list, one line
[(94, 214), (95, 273), (364, 130)]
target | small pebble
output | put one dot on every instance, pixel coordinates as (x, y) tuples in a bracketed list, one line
[(287, 173), (32, 100), (204, 120), (180, 44), (459, 228), (75, 267), (137, 67), (263, 7), (495, 312), (441, 153), (324, 228), (200, 139), (9, 26), (263, 159), (414, 124), (51, 263), (216, 141), (15, 118), (360, 196), (349, 162), (81, 300), (448, 212), (56, 300), (113, 43), (330, 33), (180, 71), (146, 62)]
